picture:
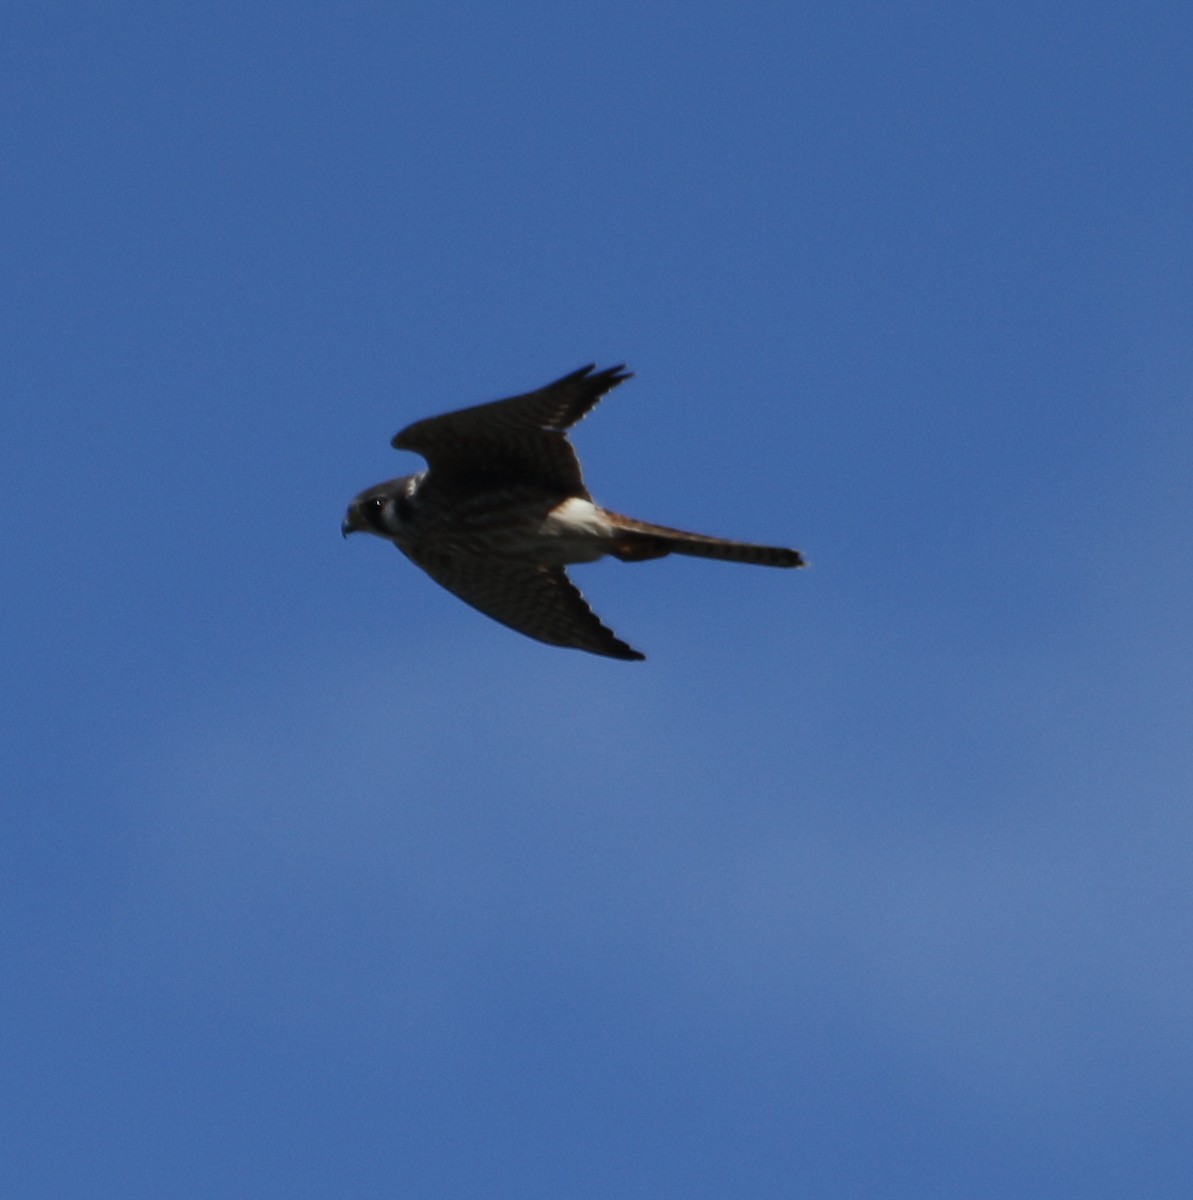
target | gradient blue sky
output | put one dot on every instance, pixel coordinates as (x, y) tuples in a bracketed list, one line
[(875, 880)]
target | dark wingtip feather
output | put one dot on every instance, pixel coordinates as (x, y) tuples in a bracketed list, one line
[(617, 374), (608, 377), (625, 653)]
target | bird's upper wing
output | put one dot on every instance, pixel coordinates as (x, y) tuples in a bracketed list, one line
[(539, 601), (522, 439)]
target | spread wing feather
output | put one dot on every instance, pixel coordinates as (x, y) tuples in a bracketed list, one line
[(520, 439), (539, 601)]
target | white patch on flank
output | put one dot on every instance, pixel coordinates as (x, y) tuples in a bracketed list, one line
[(579, 529)]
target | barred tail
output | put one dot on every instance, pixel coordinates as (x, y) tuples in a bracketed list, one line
[(637, 540)]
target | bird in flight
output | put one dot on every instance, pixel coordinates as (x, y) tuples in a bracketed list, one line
[(502, 509)]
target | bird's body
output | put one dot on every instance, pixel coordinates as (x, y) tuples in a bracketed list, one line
[(502, 509)]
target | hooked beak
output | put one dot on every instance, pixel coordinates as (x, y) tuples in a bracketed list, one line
[(348, 524)]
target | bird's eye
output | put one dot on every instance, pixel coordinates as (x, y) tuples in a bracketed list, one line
[(377, 505)]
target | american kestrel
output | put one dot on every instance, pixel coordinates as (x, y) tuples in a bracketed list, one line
[(502, 509)]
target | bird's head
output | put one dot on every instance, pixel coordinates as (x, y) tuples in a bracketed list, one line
[(380, 510)]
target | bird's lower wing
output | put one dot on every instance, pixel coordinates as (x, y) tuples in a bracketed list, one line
[(539, 601)]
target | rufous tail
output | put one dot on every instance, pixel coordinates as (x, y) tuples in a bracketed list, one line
[(637, 540)]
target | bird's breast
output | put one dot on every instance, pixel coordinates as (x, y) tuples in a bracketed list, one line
[(513, 524)]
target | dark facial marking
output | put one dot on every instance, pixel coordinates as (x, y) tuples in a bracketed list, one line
[(374, 510)]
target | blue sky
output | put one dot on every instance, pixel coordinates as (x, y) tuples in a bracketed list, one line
[(874, 880)]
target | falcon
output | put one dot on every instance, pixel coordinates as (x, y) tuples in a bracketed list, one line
[(501, 510)]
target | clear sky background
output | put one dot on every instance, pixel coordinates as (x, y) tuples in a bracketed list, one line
[(875, 879)]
